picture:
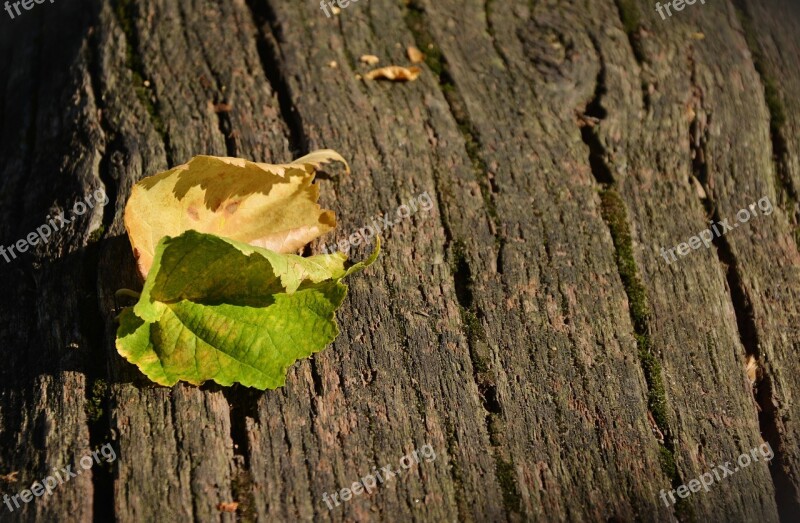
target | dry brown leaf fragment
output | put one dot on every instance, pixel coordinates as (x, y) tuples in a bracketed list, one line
[(415, 55), (394, 73), (369, 59), (752, 369), (228, 507), (11, 477)]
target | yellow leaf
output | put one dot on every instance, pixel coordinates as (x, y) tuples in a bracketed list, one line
[(269, 206)]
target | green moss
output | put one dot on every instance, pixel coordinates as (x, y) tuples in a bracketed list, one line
[(615, 215), (435, 60), (416, 23), (506, 476), (774, 104), (656, 395), (613, 209), (477, 344), (495, 427), (667, 461), (455, 471), (630, 15), (632, 23), (97, 234), (124, 9), (94, 405)]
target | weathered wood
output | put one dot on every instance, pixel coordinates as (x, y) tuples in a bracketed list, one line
[(527, 327)]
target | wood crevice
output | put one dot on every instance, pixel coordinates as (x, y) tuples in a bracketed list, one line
[(221, 101), (480, 352), (789, 194), (268, 45), (110, 143), (98, 372), (125, 11), (243, 404), (768, 409), (630, 17), (491, 32), (615, 216)]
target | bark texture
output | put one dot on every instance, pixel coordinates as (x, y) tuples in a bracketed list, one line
[(527, 328)]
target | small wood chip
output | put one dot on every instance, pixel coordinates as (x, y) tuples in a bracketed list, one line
[(415, 55), (394, 73), (11, 477), (369, 59), (698, 188), (228, 507)]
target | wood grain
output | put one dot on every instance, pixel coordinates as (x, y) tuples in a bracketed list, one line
[(526, 327)]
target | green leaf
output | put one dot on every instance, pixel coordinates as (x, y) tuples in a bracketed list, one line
[(217, 309)]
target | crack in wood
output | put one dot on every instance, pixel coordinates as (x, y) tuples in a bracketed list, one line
[(777, 123), (126, 17), (244, 411), (221, 103), (593, 115), (479, 350), (615, 217), (631, 22), (98, 401), (491, 32), (111, 141), (268, 44), (768, 411)]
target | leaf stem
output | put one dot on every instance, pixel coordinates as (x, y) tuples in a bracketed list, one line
[(127, 292)]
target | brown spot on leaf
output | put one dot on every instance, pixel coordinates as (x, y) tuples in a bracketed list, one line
[(231, 207)]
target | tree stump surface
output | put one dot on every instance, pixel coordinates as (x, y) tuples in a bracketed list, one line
[(528, 327)]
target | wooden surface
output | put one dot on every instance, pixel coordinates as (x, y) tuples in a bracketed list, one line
[(527, 328)]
